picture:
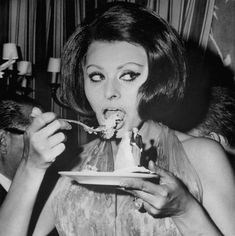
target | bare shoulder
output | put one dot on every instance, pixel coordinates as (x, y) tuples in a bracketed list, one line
[(204, 153), (204, 150), (217, 178), (209, 160)]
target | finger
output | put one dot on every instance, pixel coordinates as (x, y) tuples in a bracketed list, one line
[(156, 201), (35, 112), (145, 186), (144, 206), (57, 150), (40, 121), (54, 126), (165, 176), (150, 209), (65, 125), (56, 139)]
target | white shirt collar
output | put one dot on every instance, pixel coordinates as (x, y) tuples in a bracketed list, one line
[(5, 182)]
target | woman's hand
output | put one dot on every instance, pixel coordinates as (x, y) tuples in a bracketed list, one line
[(43, 141), (168, 198)]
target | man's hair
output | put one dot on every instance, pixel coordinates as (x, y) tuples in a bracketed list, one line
[(164, 87), (220, 117), (15, 111)]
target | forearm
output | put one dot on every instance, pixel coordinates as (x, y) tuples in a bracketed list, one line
[(196, 222), (16, 210)]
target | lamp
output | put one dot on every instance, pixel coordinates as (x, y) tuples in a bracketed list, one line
[(9, 74), (24, 69), (9, 52), (54, 67)]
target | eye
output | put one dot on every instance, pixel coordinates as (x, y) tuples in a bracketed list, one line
[(96, 76), (129, 75)]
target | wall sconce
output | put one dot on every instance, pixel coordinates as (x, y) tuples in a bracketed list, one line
[(24, 69), (54, 67), (9, 73), (9, 52)]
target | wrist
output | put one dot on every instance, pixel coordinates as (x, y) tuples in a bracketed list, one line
[(30, 172)]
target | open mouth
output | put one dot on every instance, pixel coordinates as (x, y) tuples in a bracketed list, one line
[(113, 120), (113, 117)]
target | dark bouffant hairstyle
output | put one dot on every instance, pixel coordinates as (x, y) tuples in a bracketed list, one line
[(165, 85), (220, 117)]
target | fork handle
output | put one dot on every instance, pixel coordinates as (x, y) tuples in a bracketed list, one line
[(76, 122)]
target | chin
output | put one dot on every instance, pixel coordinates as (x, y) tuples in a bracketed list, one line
[(121, 132)]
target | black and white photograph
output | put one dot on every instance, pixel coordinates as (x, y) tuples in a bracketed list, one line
[(117, 117)]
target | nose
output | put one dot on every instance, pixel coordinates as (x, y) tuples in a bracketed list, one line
[(112, 89)]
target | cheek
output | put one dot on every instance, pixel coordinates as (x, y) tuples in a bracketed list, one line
[(91, 94), (133, 99), (18, 145), (132, 107), (93, 98)]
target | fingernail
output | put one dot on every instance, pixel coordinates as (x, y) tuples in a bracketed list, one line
[(68, 126), (35, 112)]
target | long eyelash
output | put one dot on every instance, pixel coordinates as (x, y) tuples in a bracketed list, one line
[(132, 74), (94, 74)]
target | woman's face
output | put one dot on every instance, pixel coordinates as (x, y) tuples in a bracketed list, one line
[(113, 74)]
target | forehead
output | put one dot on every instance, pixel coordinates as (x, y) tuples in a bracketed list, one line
[(115, 52)]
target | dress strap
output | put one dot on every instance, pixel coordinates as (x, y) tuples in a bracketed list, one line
[(172, 156)]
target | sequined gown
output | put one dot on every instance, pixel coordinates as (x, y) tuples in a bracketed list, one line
[(103, 211)]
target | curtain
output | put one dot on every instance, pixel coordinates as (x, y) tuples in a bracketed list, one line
[(4, 19), (191, 18), (22, 26), (41, 27)]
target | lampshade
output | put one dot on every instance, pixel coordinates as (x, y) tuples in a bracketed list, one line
[(54, 65), (9, 51), (24, 68)]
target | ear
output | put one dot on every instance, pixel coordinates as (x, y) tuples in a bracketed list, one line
[(223, 141), (3, 142), (219, 138)]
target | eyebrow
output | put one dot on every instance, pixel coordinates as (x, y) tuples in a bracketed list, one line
[(119, 67)]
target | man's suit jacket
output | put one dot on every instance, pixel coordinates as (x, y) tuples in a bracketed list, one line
[(3, 194)]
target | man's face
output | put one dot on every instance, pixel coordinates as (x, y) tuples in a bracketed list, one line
[(14, 150)]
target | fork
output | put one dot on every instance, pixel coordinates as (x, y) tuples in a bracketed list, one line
[(86, 127)]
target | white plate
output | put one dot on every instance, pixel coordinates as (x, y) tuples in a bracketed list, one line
[(104, 178)]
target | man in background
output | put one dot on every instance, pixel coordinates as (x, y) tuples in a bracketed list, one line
[(15, 117)]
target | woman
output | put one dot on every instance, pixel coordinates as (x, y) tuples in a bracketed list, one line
[(130, 62)]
